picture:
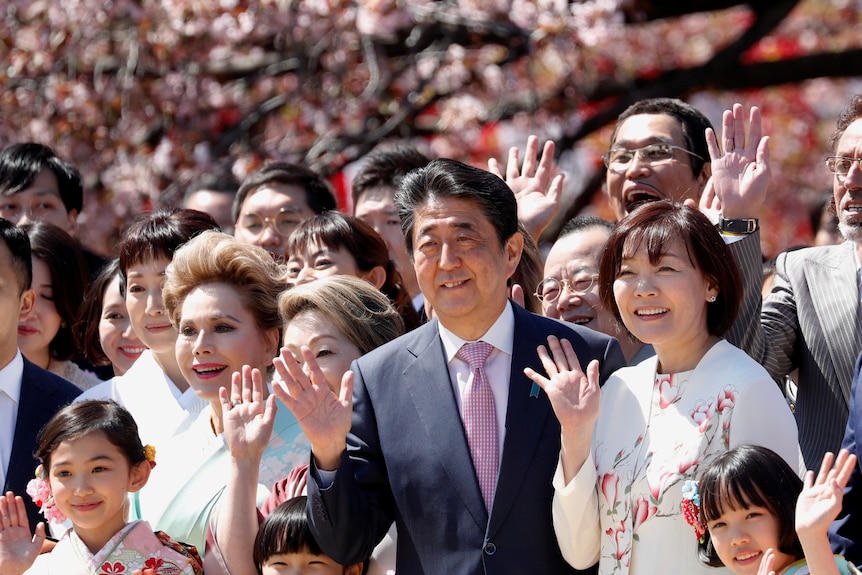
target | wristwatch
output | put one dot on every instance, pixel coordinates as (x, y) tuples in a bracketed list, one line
[(741, 227)]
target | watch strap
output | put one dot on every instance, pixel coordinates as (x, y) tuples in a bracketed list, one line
[(741, 226)]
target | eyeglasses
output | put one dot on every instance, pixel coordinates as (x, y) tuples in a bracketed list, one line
[(618, 159), (549, 289), (283, 223), (841, 165)]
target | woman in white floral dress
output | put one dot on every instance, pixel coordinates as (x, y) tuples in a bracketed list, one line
[(627, 449)]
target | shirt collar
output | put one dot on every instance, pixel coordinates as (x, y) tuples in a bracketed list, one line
[(501, 334), (10, 377)]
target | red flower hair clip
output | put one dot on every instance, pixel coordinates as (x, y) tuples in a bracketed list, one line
[(691, 508)]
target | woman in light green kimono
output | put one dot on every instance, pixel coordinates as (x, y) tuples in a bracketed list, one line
[(221, 296)]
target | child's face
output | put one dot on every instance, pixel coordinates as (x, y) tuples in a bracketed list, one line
[(741, 537), (306, 563), (89, 478)]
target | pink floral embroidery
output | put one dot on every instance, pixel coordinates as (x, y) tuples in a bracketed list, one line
[(702, 414), (668, 389), (689, 459), (622, 538), (726, 399), (112, 568), (610, 483), (642, 511), (664, 479)]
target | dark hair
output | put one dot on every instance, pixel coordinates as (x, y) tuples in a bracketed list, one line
[(21, 163), (583, 223), (318, 194), (849, 114), (68, 270), (750, 475), (528, 273), (90, 315), (284, 530), (337, 230), (386, 167), (91, 416), (21, 258), (222, 182), (691, 120), (446, 178), (159, 234), (655, 225)]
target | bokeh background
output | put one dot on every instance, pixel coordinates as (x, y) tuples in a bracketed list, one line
[(146, 95)]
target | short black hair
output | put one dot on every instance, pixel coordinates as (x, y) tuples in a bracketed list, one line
[(446, 178), (654, 225), (386, 167), (159, 234), (692, 121), (318, 194), (21, 257), (750, 475), (63, 256), (222, 182), (284, 530), (21, 163), (583, 223)]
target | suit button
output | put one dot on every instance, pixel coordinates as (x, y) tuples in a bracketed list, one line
[(490, 548)]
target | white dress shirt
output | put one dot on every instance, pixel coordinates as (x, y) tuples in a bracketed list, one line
[(10, 397)]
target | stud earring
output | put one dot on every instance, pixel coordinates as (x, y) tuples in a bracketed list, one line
[(712, 299)]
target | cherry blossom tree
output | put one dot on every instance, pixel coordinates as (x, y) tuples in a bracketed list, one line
[(144, 95)]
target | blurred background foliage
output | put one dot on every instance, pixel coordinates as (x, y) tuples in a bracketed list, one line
[(146, 95)]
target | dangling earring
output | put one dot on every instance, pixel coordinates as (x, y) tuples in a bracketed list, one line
[(712, 299)]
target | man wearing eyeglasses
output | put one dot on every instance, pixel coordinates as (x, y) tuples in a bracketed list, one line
[(273, 200), (811, 319)]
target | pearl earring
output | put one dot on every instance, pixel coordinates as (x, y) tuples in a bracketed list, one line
[(712, 299)]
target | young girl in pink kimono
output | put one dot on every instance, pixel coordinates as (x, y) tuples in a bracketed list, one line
[(92, 458)]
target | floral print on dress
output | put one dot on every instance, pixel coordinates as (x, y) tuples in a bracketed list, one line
[(643, 480)]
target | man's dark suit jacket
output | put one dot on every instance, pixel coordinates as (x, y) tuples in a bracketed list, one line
[(845, 533), (42, 395), (407, 460)]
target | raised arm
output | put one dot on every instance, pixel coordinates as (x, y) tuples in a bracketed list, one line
[(538, 190), (741, 172), (18, 549), (324, 418), (248, 422), (818, 505)]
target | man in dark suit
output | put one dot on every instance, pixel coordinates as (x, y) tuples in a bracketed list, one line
[(29, 395), (407, 457), (844, 531)]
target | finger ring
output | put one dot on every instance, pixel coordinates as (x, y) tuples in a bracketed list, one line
[(235, 402)]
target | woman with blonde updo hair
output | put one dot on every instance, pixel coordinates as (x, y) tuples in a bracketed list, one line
[(328, 323), (222, 297)]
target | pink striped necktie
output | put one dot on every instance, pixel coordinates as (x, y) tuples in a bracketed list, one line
[(480, 419)]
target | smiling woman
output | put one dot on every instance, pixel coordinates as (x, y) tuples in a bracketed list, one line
[(668, 276), (221, 295)]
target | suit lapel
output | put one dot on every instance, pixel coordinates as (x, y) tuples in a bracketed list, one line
[(526, 417), (431, 392), (835, 297), (33, 412)]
